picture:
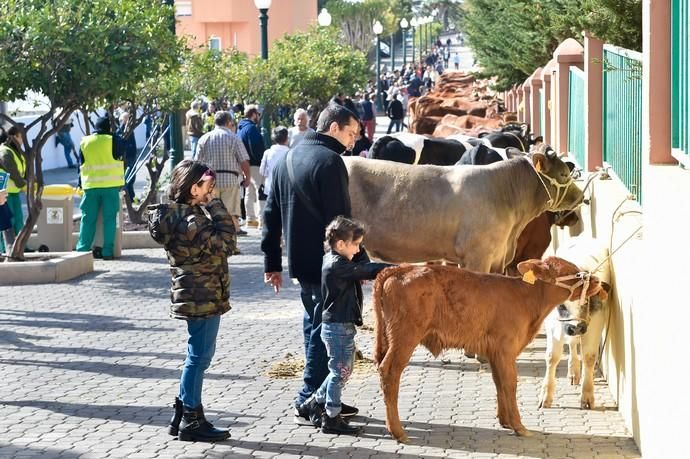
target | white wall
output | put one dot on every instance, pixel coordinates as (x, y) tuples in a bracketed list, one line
[(53, 157)]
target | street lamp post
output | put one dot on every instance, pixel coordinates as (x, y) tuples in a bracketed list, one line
[(434, 15), (263, 6), (427, 23), (392, 53), (413, 23), (423, 39), (404, 25), (175, 134), (378, 28)]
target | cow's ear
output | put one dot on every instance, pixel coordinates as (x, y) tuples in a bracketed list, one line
[(604, 292), (527, 265), (541, 162)]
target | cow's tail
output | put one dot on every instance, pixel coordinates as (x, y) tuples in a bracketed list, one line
[(381, 330)]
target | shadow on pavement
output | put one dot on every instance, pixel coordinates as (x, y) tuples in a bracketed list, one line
[(121, 370), (144, 415), (20, 343), (73, 321), (7, 451)]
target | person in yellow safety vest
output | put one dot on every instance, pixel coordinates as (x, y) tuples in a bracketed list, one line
[(102, 176), (12, 162)]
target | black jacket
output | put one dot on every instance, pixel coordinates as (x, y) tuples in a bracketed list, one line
[(340, 286), (321, 174), (395, 110)]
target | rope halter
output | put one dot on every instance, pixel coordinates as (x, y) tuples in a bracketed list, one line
[(583, 279), (564, 187)]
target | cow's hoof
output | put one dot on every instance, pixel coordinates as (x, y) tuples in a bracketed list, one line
[(574, 380), (404, 439), (545, 403), (445, 361), (587, 404), (522, 432)]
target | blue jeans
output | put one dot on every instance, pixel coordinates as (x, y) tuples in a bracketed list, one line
[(315, 356), (339, 339), (395, 123), (194, 141), (68, 145), (201, 346)]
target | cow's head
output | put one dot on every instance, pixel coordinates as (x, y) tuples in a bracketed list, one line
[(564, 274), (556, 179), (575, 315)]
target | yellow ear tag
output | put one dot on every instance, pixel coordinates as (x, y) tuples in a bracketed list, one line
[(538, 168), (529, 277)]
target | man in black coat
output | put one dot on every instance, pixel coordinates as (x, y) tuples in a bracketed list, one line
[(299, 208)]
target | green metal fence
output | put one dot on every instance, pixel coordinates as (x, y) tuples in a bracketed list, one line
[(680, 76), (623, 116), (576, 116)]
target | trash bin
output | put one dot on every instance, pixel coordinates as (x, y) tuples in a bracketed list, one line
[(55, 220)]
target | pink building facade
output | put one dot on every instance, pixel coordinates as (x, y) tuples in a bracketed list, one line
[(225, 24)]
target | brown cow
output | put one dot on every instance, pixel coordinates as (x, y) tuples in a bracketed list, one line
[(445, 307), (536, 237)]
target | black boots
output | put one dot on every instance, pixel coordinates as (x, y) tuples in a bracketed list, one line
[(177, 417), (337, 425), (314, 411), (193, 426)]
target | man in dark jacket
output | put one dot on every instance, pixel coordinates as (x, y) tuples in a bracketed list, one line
[(395, 112), (250, 135), (320, 178)]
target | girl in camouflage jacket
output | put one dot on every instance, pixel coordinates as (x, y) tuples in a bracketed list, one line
[(198, 235)]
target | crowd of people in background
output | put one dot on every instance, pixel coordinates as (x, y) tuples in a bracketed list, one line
[(388, 96)]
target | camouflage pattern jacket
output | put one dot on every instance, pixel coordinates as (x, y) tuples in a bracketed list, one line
[(198, 241)]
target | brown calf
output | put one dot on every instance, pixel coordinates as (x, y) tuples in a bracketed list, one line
[(445, 307)]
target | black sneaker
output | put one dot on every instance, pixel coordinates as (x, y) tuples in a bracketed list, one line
[(97, 252), (301, 416), (337, 425), (310, 411), (347, 411)]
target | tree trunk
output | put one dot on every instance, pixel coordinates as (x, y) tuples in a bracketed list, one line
[(34, 192), (155, 169)]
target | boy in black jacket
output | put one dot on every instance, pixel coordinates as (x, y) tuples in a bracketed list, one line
[(344, 266)]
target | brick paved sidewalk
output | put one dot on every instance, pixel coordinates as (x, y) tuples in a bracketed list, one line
[(90, 368)]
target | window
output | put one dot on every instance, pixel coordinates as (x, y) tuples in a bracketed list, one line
[(183, 8), (214, 43)]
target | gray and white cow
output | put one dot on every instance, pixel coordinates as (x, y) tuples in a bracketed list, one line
[(584, 328), (468, 215)]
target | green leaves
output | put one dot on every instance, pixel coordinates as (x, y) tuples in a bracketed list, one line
[(510, 38), (77, 52)]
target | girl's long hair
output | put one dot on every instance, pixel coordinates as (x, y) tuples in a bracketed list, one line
[(184, 175)]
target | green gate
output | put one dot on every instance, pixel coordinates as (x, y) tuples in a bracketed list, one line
[(623, 116), (680, 76), (576, 116)]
